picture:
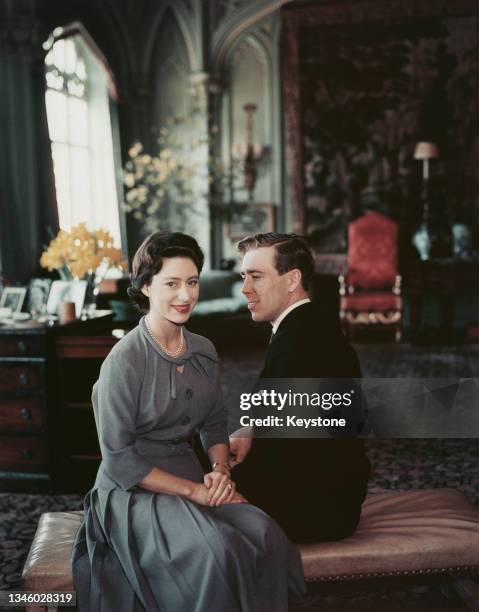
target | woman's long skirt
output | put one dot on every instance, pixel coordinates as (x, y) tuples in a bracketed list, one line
[(143, 551)]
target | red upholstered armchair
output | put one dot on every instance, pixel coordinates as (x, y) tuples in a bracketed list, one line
[(370, 294)]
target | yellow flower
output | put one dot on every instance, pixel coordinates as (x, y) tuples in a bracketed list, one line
[(50, 260), (129, 179), (160, 166), (131, 195), (111, 254), (103, 237), (142, 193), (79, 231), (81, 251), (78, 269), (135, 149)]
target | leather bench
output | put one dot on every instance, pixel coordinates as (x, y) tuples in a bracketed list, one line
[(400, 533)]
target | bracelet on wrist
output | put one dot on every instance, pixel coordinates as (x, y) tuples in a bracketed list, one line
[(220, 463)]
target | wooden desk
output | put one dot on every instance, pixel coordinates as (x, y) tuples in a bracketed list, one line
[(24, 404), (46, 375), (78, 362)]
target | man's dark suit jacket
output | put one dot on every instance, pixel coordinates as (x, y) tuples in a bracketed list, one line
[(314, 488)]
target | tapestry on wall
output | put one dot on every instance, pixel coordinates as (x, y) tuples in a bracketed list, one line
[(361, 88)]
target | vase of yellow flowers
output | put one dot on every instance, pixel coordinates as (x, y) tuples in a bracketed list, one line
[(81, 254)]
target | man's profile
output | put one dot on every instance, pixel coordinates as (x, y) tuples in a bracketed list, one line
[(313, 487)]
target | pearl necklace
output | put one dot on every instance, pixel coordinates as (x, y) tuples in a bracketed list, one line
[(163, 348)]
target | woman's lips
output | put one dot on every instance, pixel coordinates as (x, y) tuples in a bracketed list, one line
[(182, 309)]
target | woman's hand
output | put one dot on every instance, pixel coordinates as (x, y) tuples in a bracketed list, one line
[(220, 487), (200, 493), (238, 499)]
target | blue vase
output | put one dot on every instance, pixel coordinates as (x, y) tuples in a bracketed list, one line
[(422, 241)]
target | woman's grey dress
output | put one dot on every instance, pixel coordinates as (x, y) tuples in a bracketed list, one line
[(138, 550)]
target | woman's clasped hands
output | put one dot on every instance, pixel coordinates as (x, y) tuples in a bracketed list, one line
[(217, 489)]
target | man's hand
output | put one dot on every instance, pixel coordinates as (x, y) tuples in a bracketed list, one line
[(239, 448)]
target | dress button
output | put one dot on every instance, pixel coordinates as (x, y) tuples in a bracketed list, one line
[(185, 420), (189, 393)]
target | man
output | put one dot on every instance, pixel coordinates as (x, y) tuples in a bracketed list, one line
[(313, 487)]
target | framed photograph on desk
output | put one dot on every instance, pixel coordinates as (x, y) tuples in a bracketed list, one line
[(13, 297), (38, 291), (66, 291), (251, 219)]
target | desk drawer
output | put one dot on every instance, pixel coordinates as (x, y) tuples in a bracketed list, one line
[(29, 453), (22, 346), (20, 414), (19, 378)]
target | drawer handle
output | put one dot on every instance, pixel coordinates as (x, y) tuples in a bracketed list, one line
[(26, 414), (26, 453), (21, 346), (23, 379)]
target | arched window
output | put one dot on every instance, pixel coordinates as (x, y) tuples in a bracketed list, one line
[(78, 100)]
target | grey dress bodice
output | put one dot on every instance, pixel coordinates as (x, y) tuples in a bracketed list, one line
[(144, 407)]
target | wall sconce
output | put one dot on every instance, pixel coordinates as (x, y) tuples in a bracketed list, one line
[(248, 157), (422, 239)]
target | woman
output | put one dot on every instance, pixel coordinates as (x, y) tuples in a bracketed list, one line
[(159, 534)]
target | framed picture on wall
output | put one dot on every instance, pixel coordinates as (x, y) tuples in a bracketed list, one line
[(13, 297), (252, 219)]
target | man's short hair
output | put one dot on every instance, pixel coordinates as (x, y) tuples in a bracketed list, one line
[(292, 252)]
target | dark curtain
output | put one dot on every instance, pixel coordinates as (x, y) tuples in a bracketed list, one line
[(27, 188)]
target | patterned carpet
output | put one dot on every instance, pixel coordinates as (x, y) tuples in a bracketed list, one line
[(397, 464), (382, 361)]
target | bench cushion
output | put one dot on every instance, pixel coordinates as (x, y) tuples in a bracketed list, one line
[(48, 565), (406, 532), (400, 533)]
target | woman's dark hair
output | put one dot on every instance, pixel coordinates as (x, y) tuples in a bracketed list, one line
[(148, 260)]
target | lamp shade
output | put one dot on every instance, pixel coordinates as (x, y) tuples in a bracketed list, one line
[(426, 150)]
